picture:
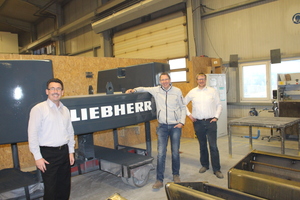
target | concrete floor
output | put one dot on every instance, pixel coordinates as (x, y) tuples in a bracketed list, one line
[(100, 185)]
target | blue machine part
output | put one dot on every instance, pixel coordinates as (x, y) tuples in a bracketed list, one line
[(254, 137)]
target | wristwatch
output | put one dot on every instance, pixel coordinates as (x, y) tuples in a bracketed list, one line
[(216, 118)]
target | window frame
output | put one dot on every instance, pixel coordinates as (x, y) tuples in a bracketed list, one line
[(241, 83), (269, 88), (185, 69)]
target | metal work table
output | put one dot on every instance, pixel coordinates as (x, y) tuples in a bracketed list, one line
[(268, 122)]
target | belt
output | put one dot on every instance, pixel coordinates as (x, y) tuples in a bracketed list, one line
[(58, 147), (207, 119)]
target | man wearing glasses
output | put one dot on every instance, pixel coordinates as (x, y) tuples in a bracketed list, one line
[(171, 114), (206, 110), (51, 141)]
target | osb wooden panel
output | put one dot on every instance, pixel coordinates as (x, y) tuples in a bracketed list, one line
[(188, 129), (5, 156), (200, 64), (205, 65), (71, 70)]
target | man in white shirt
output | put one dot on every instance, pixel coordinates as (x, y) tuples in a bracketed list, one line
[(51, 141), (206, 109)]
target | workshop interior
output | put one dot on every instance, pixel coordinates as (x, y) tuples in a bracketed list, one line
[(249, 51)]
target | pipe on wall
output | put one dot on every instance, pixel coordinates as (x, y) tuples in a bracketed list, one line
[(231, 7)]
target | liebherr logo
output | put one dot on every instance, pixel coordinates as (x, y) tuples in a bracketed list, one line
[(97, 112)]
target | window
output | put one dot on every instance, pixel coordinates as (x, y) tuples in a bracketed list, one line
[(178, 69), (254, 82), (259, 79)]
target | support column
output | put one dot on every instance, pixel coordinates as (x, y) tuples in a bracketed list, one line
[(15, 154), (196, 10), (107, 44), (148, 138)]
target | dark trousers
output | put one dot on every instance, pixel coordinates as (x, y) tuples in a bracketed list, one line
[(57, 177), (207, 132)]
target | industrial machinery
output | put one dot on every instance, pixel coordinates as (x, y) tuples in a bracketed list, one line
[(288, 97), (122, 78), (23, 86), (288, 87), (20, 92), (91, 113), (259, 175), (267, 175)]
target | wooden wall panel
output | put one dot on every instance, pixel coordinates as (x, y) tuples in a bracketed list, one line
[(188, 130), (5, 156)]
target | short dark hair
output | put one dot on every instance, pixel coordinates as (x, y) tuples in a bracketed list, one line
[(164, 73), (56, 80)]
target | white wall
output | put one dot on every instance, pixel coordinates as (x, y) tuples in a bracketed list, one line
[(251, 32), (8, 43)]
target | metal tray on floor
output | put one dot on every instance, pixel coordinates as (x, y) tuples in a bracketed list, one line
[(131, 167), (203, 191), (268, 175)]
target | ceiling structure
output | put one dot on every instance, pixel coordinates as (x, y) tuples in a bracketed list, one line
[(21, 16), (17, 16)]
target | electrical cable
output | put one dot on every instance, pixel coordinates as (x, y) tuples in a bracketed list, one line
[(210, 39)]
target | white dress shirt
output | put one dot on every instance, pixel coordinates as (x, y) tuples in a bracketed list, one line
[(50, 126), (205, 103)]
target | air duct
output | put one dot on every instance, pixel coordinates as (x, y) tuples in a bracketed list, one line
[(133, 12)]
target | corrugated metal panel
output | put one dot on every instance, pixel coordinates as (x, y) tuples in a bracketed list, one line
[(137, 10), (161, 39), (81, 39), (45, 27), (253, 31), (78, 8), (84, 38), (87, 54), (220, 4)]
